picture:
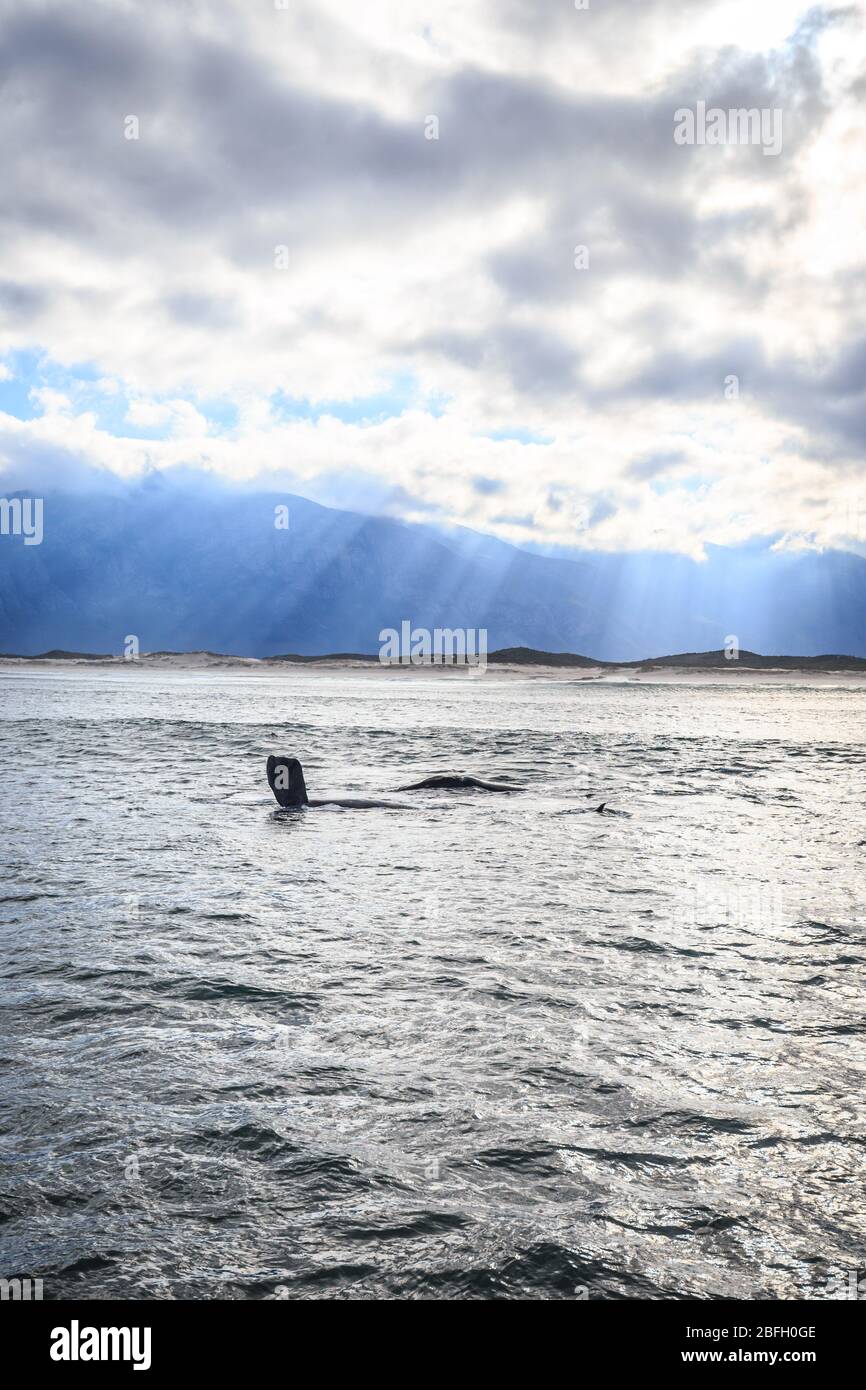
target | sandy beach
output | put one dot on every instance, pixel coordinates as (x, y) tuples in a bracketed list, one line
[(370, 669)]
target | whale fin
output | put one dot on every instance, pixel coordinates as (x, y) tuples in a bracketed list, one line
[(601, 807), (286, 781)]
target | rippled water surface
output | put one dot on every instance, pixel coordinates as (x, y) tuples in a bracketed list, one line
[(489, 1047)]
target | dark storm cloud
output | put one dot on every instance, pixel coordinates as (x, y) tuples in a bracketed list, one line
[(847, 376), (826, 397), (221, 132), (98, 49), (534, 360), (21, 302), (677, 375), (656, 233), (236, 156)]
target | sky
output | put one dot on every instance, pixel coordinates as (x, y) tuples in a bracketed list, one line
[(446, 262)]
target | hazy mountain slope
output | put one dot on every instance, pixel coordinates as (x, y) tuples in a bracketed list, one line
[(187, 564)]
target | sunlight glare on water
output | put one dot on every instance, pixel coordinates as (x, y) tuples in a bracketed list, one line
[(487, 1047)]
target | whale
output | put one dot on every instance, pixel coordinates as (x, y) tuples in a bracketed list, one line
[(286, 781), (455, 781)]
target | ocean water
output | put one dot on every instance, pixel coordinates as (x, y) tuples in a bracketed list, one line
[(489, 1047)]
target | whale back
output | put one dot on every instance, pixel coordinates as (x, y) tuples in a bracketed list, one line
[(286, 781)]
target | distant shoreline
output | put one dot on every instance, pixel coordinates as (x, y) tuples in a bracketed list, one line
[(508, 662)]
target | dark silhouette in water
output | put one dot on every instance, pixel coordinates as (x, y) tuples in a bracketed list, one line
[(286, 781), (454, 781)]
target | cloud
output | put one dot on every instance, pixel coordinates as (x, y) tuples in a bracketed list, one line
[(447, 265), (488, 487)]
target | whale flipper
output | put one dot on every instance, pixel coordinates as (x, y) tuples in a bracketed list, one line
[(286, 781)]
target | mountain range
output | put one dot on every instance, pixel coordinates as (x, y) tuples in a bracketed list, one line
[(187, 563)]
